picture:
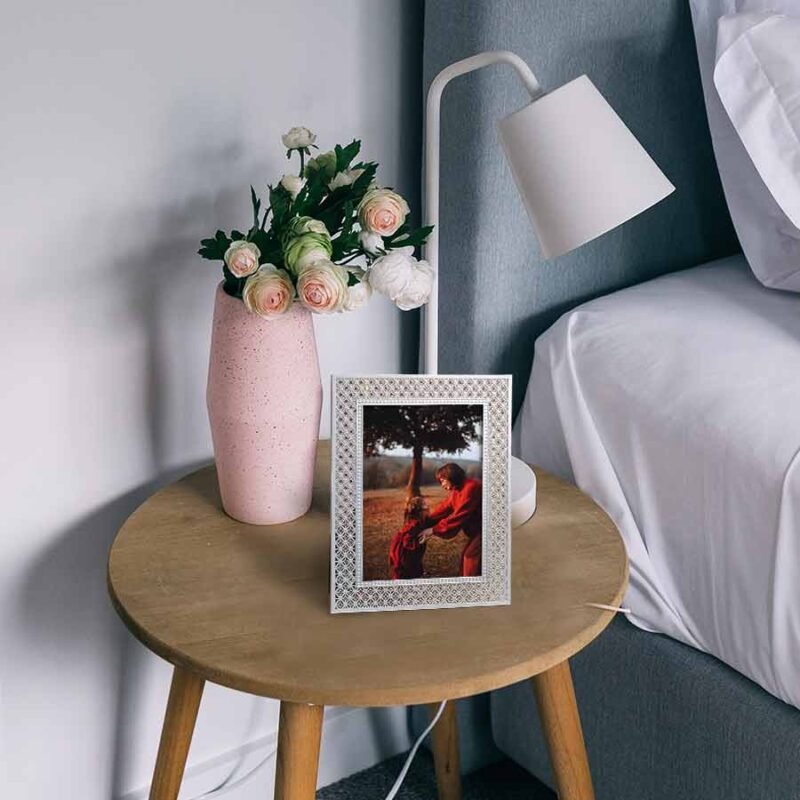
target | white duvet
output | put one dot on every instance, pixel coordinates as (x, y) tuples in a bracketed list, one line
[(676, 405)]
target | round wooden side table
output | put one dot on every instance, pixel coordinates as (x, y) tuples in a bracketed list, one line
[(247, 607)]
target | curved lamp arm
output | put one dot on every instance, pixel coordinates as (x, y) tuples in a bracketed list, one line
[(431, 212)]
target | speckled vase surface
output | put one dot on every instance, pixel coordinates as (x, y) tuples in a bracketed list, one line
[(264, 403)]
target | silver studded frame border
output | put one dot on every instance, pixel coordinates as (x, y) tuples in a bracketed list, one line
[(349, 396)]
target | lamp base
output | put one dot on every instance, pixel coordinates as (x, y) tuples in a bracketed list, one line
[(523, 492)]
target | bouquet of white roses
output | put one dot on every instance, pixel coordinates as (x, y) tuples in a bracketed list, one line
[(318, 223)]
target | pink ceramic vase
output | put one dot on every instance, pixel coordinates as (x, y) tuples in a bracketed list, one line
[(264, 402)]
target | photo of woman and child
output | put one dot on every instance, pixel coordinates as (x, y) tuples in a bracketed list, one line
[(423, 495)]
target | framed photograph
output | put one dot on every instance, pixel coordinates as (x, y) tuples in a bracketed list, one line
[(420, 498)]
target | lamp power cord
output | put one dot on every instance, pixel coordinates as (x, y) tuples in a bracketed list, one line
[(229, 783)]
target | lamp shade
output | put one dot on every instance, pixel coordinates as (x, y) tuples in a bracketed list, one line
[(579, 169)]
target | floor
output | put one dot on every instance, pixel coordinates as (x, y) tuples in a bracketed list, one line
[(501, 781)]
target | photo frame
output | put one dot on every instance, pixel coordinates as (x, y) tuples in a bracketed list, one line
[(420, 495)]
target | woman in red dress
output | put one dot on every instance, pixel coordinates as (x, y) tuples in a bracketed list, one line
[(406, 551), (461, 511)]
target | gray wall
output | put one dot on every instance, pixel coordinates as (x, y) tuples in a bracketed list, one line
[(130, 130), (497, 294)]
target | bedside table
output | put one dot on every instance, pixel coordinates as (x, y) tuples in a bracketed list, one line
[(247, 607)]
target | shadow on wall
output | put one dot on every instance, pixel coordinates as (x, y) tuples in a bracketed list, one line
[(64, 610), (155, 303), (167, 283)]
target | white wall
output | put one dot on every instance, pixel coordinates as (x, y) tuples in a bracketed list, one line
[(131, 129)]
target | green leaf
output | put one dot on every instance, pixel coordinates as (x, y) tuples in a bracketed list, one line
[(269, 245), (280, 201), (345, 155), (308, 201), (408, 238), (349, 216), (362, 183), (256, 206), (237, 236), (214, 249), (232, 285), (332, 210), (344, 245)]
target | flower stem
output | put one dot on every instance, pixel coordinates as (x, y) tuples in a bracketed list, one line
[(302, 160)]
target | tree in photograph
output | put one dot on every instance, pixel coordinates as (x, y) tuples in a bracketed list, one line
[(452, 428)]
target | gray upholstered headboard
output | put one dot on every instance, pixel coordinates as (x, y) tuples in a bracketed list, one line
[(497, 295)]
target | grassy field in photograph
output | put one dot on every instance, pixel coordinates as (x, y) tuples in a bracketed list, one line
[(383, 517)]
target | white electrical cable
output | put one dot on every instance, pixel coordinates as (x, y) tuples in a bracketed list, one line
[(227, 785), (401, 777), (604, 607)]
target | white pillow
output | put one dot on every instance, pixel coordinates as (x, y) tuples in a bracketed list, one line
[(757, 76), (769, 238)]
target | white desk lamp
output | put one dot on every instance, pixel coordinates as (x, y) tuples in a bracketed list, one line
[(580, 173)]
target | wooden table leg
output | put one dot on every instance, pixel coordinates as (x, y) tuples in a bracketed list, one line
[(176, 734), (299, 736), (444, 738), (561, 724)]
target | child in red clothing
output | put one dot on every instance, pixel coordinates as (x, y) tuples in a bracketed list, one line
[(406, 551)]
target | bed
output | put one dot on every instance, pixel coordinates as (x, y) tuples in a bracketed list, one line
[(676, 405), (696, 696), (630, 398)]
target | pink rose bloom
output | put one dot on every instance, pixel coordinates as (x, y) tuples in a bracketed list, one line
[(382, 211), (241, 258), (269, 292), (322, 287)]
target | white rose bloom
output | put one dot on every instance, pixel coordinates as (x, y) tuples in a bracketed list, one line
[(357, 296), (390, 274), (346, 178), (371, 242), (403, 279), (293, 184), (298, 138), (419, 288)]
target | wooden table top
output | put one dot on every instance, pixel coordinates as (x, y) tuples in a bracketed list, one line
[(248, 606)]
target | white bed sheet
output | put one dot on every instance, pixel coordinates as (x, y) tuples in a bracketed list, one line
[(675, 404)]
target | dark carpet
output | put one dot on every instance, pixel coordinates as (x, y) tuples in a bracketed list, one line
[(501, 781)]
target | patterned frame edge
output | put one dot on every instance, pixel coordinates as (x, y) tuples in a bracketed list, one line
[(349, 395)]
